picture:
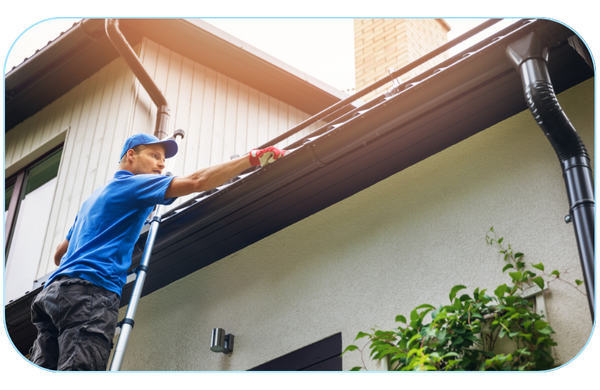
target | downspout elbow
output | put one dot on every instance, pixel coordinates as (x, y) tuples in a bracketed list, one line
[(118, 40), (530, 57)]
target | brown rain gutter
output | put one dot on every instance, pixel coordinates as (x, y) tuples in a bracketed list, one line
[(387, 79), (120, 43)]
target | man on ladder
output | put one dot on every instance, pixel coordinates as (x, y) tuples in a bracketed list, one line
[(76, 312)]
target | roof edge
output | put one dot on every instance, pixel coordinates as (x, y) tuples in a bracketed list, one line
[(36, 82), (251, 50)]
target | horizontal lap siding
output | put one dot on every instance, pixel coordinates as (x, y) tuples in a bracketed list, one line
[(221, 117)]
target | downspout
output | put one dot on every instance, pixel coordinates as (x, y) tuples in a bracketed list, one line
[(120, 43), (529, 55)]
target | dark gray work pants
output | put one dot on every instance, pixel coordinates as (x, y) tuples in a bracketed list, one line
[(76, 322)]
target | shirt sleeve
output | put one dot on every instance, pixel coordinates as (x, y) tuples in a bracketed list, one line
[(149, 190), (70, 233)]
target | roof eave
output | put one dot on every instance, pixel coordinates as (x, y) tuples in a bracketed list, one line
[(84, 49)]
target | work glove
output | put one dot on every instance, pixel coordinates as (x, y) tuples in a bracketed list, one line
[(265, 156)]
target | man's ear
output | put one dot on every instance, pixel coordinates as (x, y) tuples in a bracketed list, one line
[(127, 157)]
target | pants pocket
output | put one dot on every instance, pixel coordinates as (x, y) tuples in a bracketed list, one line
[(89, 352), (75, 303)]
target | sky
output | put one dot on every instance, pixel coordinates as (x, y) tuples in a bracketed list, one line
[(320, 47)]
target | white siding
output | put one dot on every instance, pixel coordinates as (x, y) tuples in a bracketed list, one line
[(220, 116), (86, 119)]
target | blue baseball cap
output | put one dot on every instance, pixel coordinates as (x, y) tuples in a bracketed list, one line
[(148, 139)]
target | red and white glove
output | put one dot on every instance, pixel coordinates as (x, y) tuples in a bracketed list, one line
[(265, 156)]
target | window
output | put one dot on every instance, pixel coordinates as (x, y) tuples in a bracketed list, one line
[(28, 199)]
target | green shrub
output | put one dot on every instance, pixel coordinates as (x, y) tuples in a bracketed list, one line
[(463, 335)]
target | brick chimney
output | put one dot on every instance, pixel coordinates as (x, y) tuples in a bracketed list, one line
[(381, 44)]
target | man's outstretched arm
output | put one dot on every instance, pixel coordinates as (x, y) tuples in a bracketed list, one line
[(211, 177)]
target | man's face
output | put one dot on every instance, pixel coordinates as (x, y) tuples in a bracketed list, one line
[(151, 159)]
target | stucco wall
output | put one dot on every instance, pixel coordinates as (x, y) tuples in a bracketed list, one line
[(400, 243)]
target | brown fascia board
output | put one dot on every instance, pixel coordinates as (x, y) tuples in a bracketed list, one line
[(85, 49), (56, 51), (57, 68), (207, 45)]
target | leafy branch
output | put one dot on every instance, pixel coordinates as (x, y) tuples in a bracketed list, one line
[(463, 335), (522, 277)]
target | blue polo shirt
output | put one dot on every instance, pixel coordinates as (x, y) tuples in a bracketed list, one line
[(102, 239)]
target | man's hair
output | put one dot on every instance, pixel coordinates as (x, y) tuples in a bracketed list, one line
[(137, 149)]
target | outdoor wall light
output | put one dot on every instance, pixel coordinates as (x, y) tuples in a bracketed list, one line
[(221, 342)]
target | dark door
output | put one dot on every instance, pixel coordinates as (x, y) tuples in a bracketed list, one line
[(323, 355)]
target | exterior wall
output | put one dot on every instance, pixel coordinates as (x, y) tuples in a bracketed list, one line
[(400, 243), (90, 119), (221, 117), (381, 44)]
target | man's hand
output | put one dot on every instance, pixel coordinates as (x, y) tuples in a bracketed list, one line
[(265, 156), (61, 249)]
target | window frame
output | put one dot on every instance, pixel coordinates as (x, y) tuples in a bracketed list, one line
[(19, 181)]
